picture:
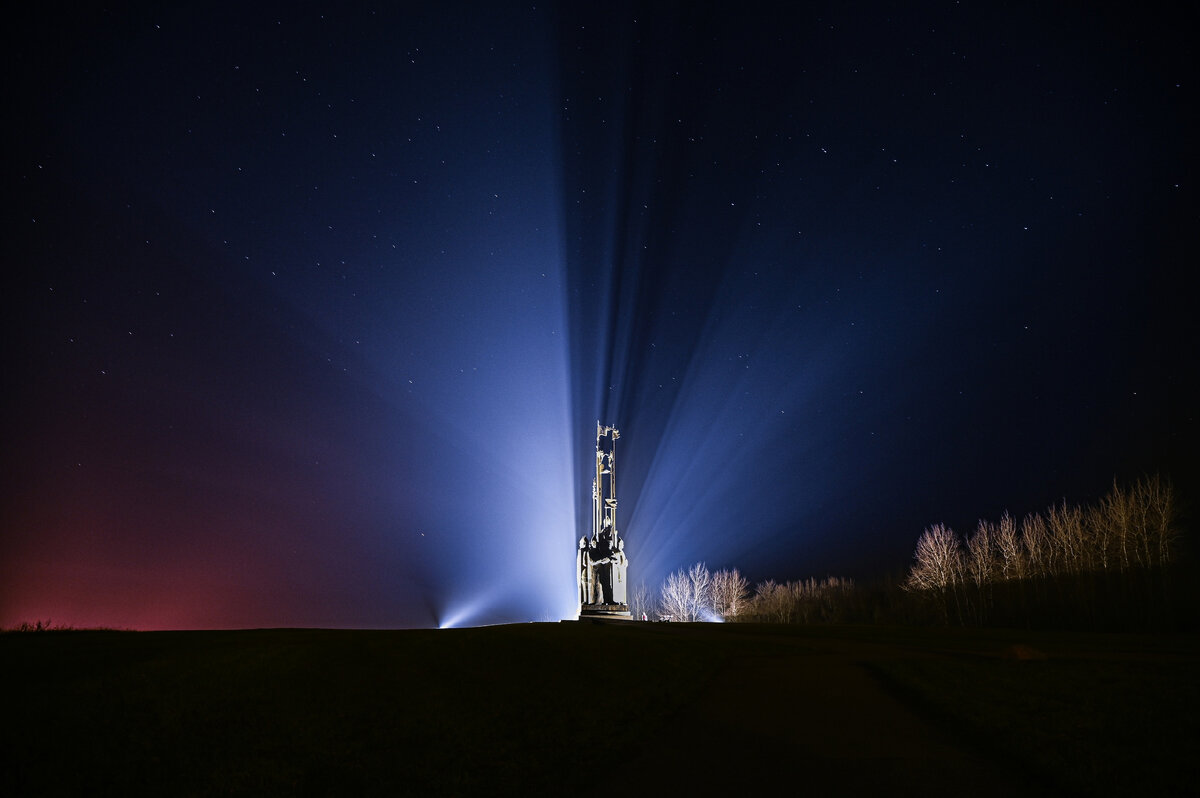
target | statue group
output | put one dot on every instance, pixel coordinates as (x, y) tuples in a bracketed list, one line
[(600, 564), (602, 571)]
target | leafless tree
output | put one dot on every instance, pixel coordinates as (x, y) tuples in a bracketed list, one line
[(640, 604), (1141, 539), (1065, 523), (938, 566), (1012, 553), (805, 601), (675, 597), (938, 559), (1150, 510), (981, 561), (729, 592), (701, 594), (982, 566), (1035, 542), (771, 601), (686, 595), (1110, 529), (1155, 499)]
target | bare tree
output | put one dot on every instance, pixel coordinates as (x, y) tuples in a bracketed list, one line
[(1035, 541), (685, 595), (938, 566), (640, 604), (701, 595), (1156, 497), (1110, 526), (1012, 554), (729, 593), (772, 601), (981, 562), (675, 597), (938, 560), (1153, 523), (1065, 523), (982, 565), (805, 601)]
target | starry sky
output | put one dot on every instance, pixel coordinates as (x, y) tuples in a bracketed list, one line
[(311, 310)]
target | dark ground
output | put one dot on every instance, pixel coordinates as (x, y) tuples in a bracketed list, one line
[(580, 708)]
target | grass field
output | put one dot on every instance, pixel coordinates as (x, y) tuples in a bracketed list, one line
[(558, 709)]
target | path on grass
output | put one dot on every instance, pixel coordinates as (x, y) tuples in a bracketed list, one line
[(810, 720)]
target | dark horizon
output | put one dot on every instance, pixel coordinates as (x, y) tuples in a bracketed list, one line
[(314, 312)]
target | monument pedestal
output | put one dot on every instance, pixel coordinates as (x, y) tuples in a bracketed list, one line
[(604, 611)]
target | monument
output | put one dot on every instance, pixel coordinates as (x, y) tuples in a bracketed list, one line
[(600, 564)]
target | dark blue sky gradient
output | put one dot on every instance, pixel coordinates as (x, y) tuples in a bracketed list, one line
[(315, 309)]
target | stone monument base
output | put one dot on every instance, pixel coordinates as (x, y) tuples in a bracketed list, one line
[(604, 611)]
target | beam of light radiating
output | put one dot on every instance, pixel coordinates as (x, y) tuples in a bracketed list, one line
[(726, 364), (392, 439), (334, 356)]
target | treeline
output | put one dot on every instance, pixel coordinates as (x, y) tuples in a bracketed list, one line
[(696, 594), (1107, 564), (826, 600), (1110, 565)]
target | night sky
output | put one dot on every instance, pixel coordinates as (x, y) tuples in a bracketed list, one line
[(310, 311)]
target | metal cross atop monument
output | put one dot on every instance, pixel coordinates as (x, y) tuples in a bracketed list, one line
[(601, 564)]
